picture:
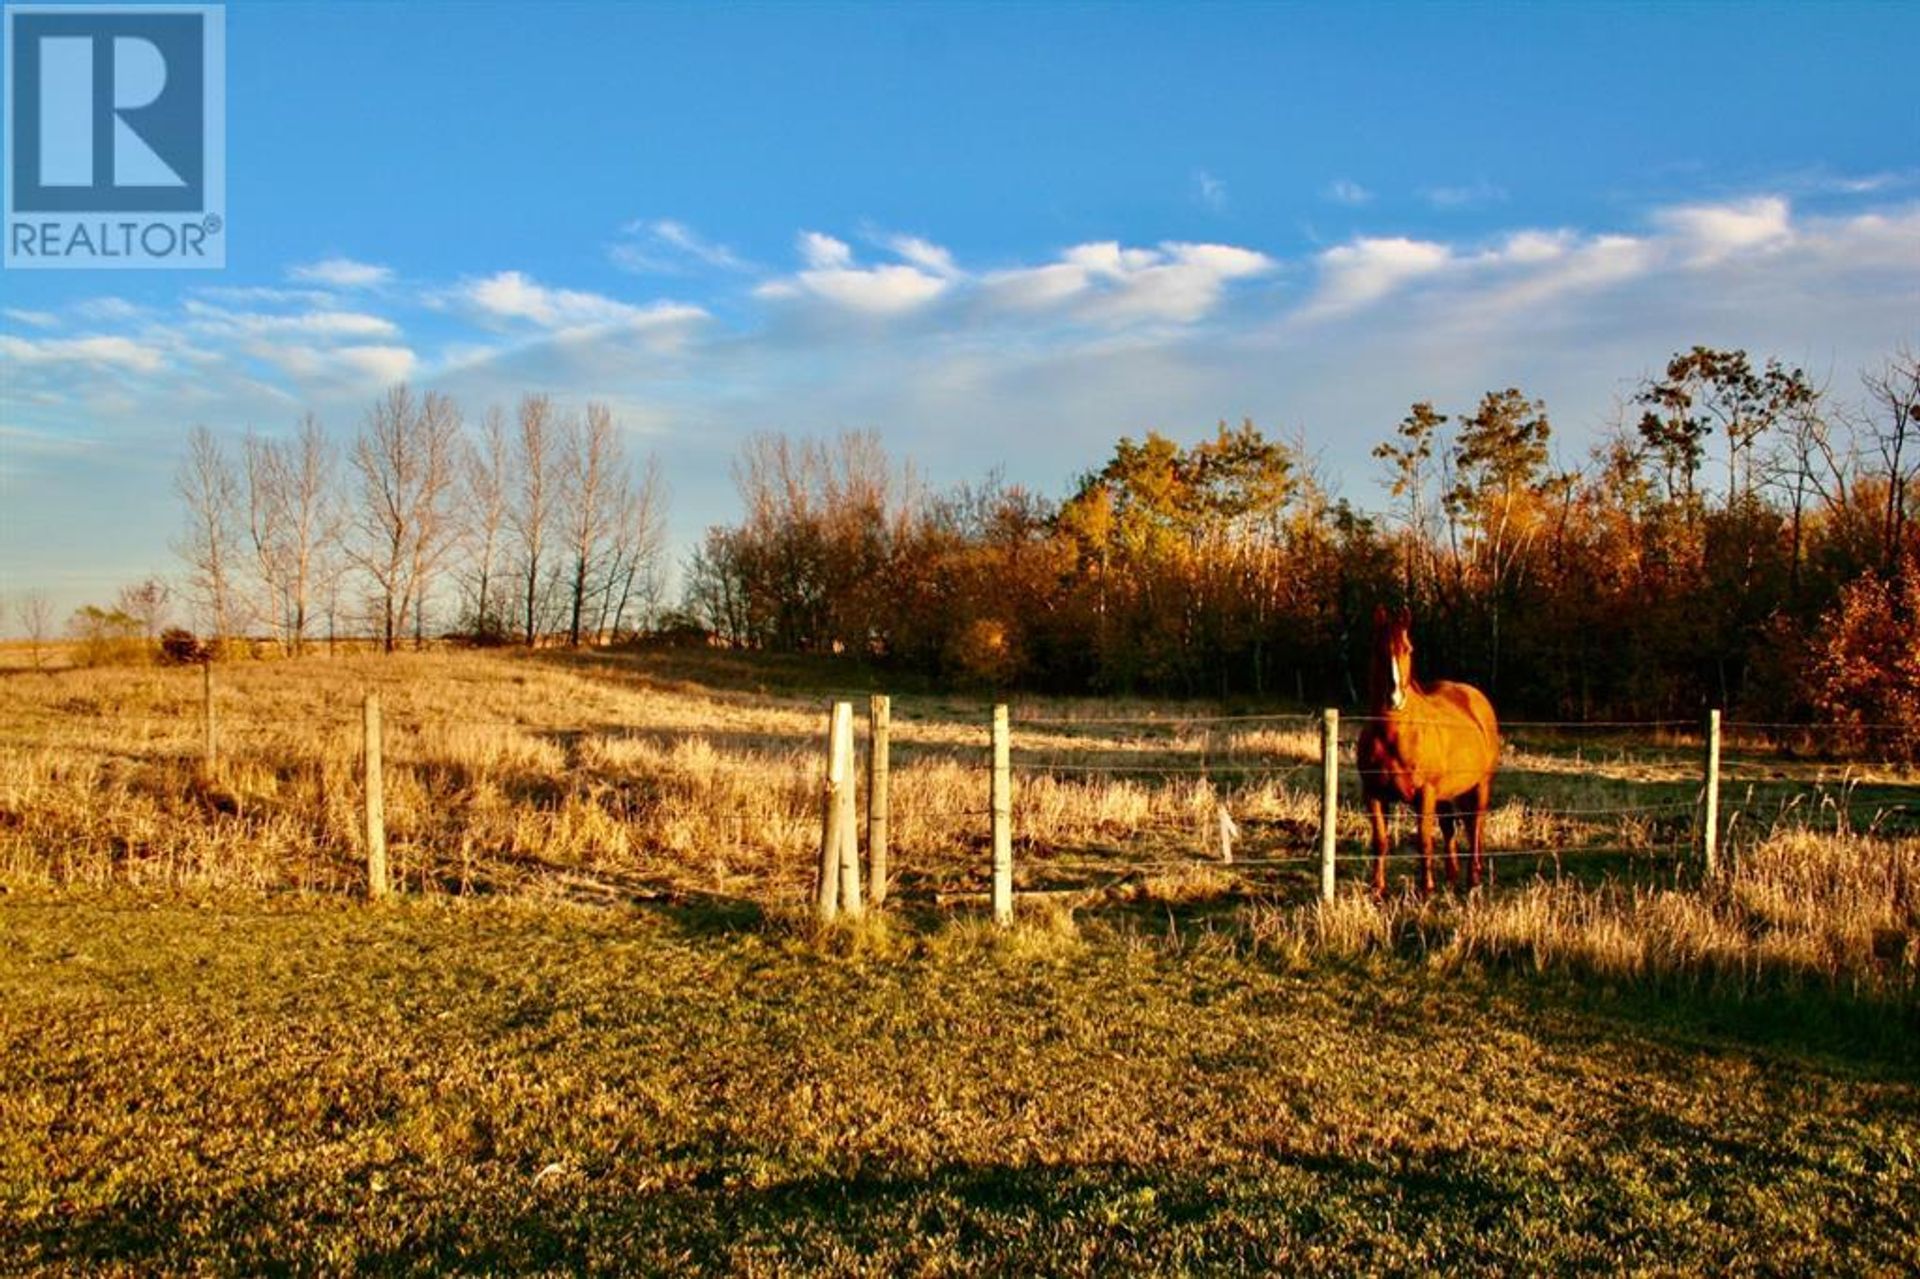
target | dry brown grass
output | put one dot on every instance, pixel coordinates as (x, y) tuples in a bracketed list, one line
[(1800, 910), (616, 776)]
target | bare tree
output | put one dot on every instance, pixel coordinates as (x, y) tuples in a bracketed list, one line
[(531, 512), (437, 524), (1893, 423), (264, 481), (146, 603), (485, 473), (313, 522), (210, 542), (404, 458), (636, 556), (1806, 465), (35, 611), (592, 477), (292, 525)]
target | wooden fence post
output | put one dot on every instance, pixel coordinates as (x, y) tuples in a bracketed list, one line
[(1710, 819), (211, 754), (1329, 797), (1225, 832), (376, 803), (832, 815), (1002, 820), (879, 725), (849, 817)]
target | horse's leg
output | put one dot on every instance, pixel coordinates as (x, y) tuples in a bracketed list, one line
[(1450, 818), (1376, 813), (1427, 806), (1482, 800)]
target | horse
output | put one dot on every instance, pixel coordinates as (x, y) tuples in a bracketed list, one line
[(1433, 747)]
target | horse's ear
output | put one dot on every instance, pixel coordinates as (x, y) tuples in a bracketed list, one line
[(1379, 615), (1406, 616)]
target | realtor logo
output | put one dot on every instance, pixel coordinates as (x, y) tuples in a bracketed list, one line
[(116, 136)]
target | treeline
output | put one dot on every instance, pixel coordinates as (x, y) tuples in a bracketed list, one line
[(525, 528), (1740, 537)]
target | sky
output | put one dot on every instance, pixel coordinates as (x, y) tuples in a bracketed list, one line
[(1002, 236)]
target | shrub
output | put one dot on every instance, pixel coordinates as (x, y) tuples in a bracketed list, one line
[(180, 647), (1866, 662), (106, 637)]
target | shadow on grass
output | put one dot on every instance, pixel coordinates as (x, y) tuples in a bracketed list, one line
[(729, 1210), (1859, 1033)]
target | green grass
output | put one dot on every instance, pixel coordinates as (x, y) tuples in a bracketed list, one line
[(309, 1085)]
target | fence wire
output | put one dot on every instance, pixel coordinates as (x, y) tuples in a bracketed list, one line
[(1175, 748)]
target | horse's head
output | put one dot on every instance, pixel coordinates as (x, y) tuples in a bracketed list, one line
[(1392, 676)]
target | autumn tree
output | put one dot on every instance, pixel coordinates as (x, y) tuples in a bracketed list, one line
[(1866, 668), (1705, 391), (1499, 467), (1409, 461)]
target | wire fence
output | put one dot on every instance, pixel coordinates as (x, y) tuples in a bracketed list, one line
[(1113, 795)]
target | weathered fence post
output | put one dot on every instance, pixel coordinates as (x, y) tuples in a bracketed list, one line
[(1329, 797), (376, 803), (211, 754), (849, 818), (833, 814), (1710, 819), (879, 724), (1002, 820), (1226, 832)]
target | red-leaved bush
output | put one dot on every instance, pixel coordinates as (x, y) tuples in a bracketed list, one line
[(1866, 660)]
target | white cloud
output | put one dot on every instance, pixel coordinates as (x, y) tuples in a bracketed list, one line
[(324, 325), (38, 319), (364, 366), (255, 295), (664, 246), (891, 289), (511, 295), (108, 310), (1532, 247), (1709, 233), (19, 440), (1367, 269), (1033, 288), (924, 254), (342, 273), (1529, 267), (98, 352), (1109, 283), (880, 290), (823, 252), (1347, 191)]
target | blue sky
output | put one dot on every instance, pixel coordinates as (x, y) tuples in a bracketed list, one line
[(996, 234)]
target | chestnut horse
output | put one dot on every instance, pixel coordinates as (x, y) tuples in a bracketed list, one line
[(1430, 746)]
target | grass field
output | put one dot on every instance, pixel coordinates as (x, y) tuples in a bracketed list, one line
[(598, 1032), (237, 1085)]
